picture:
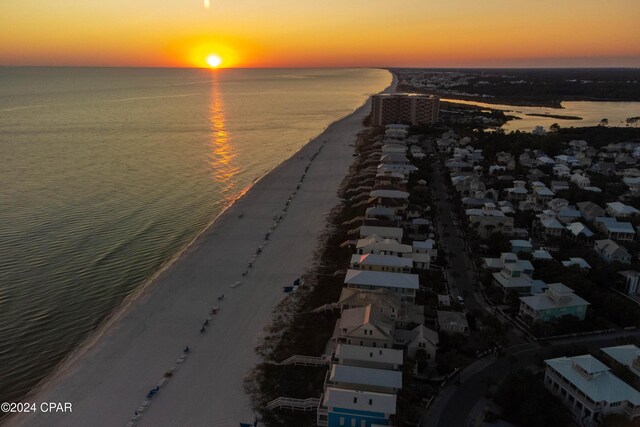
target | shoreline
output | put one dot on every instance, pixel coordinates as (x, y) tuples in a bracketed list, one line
[(119, 318)]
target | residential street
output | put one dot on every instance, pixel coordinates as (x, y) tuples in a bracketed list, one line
[(455, 403)]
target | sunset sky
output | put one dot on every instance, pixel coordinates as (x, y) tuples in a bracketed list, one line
[(286, 33)]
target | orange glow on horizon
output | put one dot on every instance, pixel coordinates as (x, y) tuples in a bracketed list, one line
[(333, 33)]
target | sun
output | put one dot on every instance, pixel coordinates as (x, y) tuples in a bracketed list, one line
[(214, 61)]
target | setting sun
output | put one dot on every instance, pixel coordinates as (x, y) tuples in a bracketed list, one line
[(214, 61)]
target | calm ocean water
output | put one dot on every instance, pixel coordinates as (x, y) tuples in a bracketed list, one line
[(107, 173)]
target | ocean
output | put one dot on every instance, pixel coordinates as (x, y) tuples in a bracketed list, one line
[(107, 173)]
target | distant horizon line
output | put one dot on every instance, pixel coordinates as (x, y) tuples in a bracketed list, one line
[(389, 68)]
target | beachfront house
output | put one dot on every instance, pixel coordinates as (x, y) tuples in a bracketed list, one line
[(403, 313), (368, 357), (377, 245), (405, 285), (342, 407), (395, 199), (386, 303), (363, 379), (394, 233), (374, 262), (366, 327)]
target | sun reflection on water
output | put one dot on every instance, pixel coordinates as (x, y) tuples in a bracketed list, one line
[(222, 153)]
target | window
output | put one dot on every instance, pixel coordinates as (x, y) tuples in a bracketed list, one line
[(341, 421), (353, 423), (370, 402), (355, 400)]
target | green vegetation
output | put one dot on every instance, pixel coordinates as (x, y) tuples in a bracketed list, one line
[(297, 330), (527, 403), (541, 87)]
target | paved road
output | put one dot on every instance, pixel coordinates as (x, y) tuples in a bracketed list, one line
[(456, 402), (459, 271)]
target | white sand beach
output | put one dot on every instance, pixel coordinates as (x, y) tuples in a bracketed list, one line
[(110, 377)]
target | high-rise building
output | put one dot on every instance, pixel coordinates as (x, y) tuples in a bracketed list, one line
[(409, 108)]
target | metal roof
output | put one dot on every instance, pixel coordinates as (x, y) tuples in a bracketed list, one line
[(360, 400), (366, 376), (382, 279), (369, 354), (599, 384)]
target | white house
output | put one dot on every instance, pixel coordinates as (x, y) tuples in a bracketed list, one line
[(380, 358), (610, 251), (423, 253), (620, 210), (394, 233), (589, 389), (453, 322), (557, 301), (632, 279), (364, 379), (366, 327), (579, 229), (403, 284), (551, 227), (419, 338), (375, 244), (615, 230), (580, 180), (627, 355), (375, 262)]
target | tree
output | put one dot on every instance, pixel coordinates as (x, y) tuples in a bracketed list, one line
[(604, 122), (554, 127), (528, 403)]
